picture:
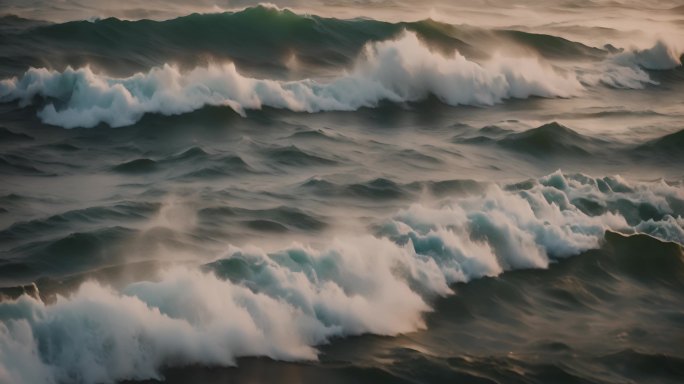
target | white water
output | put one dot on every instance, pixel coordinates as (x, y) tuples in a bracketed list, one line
[(285, 303), (400, 70)]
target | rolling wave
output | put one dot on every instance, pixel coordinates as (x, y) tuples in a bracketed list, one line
[(669, 145), (551, 139), (548, 140), (556, 140), (399, 63), (258, 36), (284, 303), (401, 70), (268, 36)]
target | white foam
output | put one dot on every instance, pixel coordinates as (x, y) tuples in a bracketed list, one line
[(617, 76), (660, 56), (628, 69), (284, 304), (400, 70)]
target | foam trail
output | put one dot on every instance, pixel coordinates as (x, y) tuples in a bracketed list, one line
[(661, 56), (628, 69), (401, 70), (283, 304), (618, 76)]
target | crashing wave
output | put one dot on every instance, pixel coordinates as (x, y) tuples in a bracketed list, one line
[(628, 69), (400, 70), (283, 304), (660, 56)]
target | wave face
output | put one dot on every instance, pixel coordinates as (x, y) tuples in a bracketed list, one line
[(264, 34), (390, 62), (258, 36), (283, 304), (402, 70)]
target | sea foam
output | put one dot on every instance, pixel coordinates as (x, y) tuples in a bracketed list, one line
[(627, 69), (283, 304), (399, 70)]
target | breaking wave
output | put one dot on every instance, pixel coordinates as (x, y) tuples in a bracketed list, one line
[(401, 70), (390, 62), (283, 304)]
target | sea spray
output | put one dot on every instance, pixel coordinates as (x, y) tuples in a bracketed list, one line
[(283, 304)]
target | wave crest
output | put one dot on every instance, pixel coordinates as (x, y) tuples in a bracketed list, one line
[(661, 56), (400, 70), (283, 304)]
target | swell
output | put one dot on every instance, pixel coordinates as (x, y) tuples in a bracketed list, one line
[(254, 36), (399, 63), (671, 145), (267, 37), (549, 140), (555, 140), (283, 303)]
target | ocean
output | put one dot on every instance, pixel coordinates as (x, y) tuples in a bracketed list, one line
[(341, 191)]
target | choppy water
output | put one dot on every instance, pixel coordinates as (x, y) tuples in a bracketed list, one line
[(264, 195)]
